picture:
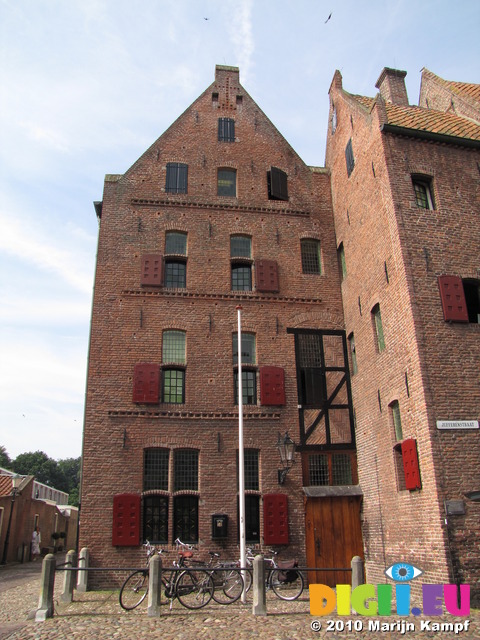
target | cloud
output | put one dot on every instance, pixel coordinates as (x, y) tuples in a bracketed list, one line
[(241, 34), (29, 243)]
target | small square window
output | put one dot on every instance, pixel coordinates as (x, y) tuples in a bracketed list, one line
[(226, 130), (310, 250), (173, 349), (177, 177), (174, 386), (248, 348), (240, 247), (423, 192), (227, 182), (241, 277), (176, 243), (249, 386), (175, 274)]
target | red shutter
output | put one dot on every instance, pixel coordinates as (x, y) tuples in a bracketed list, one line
[(410, 464), (275, 519), (126, 520), (453, 299), (266, 276), (272, 386), (152, 270), (146, 383)]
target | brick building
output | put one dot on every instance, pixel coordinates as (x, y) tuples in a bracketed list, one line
[(219, 212), (405, 189)]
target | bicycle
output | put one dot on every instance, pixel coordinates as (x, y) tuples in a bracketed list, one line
[(227, 579), (192, 588), (283, 578)]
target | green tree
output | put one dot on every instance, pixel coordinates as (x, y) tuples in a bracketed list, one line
[(44, 469), (5, 461), (70, 468)]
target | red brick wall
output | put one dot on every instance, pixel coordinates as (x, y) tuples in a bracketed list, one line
[(394, 253), (128, 320)]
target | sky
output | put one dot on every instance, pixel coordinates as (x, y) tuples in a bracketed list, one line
[(86, 86)]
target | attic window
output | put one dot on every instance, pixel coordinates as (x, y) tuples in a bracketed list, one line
[(215, 97), (239, 100), (226, 130), (277, 184)]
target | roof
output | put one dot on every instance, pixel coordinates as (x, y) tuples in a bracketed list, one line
[(426, 120), (464, 89), (447, 124)]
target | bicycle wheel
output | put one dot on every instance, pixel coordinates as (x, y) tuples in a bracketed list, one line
[(228, 586), (134, 590), (287, 585), (194, 588)]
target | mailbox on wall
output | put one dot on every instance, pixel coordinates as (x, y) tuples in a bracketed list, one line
[(219, 526)]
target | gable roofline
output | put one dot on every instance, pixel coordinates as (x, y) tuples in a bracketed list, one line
[(429, 135), (468, 91)]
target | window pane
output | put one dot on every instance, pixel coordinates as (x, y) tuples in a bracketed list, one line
[(227, 182), (186, 470), (310, 256), (173, 347), (250, 459), (241, 277), (155, 519), (173, 386), (240, 247), (155, 469), (175, 274), (341, 469), (185, 518), (249, 387), (248, 348), (318, 469), (176, 243)]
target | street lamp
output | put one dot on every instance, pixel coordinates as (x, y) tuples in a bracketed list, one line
[(286, 448), (16, 481)]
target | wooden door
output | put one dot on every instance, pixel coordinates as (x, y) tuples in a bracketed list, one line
[(333, 537)]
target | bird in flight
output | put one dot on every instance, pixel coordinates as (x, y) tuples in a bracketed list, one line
[(328, 18)]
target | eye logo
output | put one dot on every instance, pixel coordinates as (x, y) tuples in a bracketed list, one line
[(402, 572)]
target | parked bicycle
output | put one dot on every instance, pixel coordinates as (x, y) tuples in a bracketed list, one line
[(193, 588), (282, 576), (227, 579)]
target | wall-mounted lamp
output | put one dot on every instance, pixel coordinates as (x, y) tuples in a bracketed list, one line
[(286, 448)]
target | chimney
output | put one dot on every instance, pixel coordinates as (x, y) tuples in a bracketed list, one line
[(391, 85)]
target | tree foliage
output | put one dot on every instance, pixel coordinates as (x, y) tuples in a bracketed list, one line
[(63, 475)]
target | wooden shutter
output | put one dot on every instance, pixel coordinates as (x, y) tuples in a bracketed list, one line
[(126, 520), (146, 383), (278, 184), (453, 299), (275, 519), (152, 270), (410, 464), (272, 385), (266, 276)]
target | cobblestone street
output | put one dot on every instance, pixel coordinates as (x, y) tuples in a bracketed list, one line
[(98, 615)]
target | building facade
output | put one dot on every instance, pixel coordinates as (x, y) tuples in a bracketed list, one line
[(405, 188), (221, 213)]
